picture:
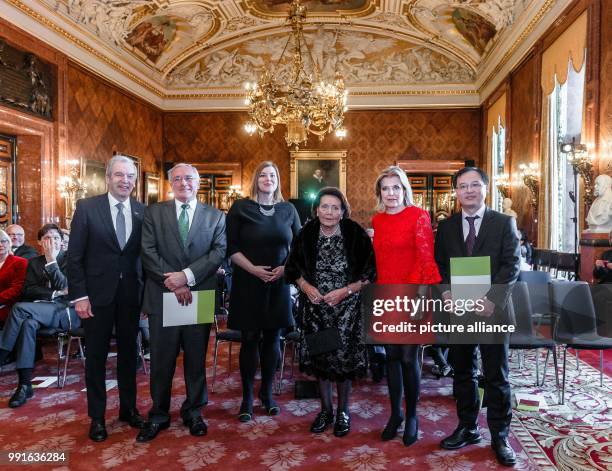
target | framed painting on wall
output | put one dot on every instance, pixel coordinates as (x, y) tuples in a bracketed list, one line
[(93, 174), (313, 170), (151, 188)]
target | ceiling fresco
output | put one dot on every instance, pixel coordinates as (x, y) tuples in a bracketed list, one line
[(202, 46)]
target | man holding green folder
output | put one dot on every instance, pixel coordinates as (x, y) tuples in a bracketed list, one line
[(477, 232), (183, 245)]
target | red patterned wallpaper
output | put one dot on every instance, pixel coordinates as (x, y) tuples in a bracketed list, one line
[(375, 140)]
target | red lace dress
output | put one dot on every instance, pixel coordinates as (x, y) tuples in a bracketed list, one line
[(404, 248)]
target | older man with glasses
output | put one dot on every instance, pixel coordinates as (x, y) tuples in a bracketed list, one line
[(18, 245)]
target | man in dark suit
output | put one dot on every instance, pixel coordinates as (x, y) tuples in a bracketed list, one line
[(480, 231), (18, 246), (183, 244), (105, 282), (45, 305)]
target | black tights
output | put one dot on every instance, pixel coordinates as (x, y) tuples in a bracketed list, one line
[(403, 372), (343, 388), (250, 353)]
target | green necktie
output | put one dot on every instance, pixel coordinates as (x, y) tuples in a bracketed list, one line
[(183, 224)]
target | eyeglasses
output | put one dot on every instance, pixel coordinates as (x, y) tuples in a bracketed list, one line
[(186, 179), (471, 186), (5, 241)]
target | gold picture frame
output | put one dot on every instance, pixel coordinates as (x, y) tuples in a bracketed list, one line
[(312, 170), (152, 188)]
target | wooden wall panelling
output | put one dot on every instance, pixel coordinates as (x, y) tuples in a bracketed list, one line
[(375, 140), (605, 89)]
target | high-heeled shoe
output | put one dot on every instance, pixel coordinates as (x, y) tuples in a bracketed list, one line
[(411, 432), (390, 430), (269, 405), (246, 411)]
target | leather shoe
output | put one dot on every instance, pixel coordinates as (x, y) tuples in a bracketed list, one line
[(504, 452), (97, 430), (21, 395), (460, 438), (197, 426), (150, 430), (323, 420), (390, 430), (133, 418), (342, 425)]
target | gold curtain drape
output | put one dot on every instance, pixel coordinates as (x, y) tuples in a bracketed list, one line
[(570, 46)]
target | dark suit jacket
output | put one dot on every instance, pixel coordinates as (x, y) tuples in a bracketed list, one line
[(163, 250), (12, 276), (95, 261), (496, 239), (26, 251), (42, 280)]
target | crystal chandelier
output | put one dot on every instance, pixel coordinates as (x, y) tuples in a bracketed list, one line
[(304, 103)]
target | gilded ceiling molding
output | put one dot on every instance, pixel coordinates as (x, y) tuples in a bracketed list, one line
[(369, 7)]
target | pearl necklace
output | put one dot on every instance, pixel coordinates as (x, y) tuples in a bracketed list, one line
[(335, 231), (266, 212)]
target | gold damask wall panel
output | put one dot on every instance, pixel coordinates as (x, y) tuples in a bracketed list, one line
[(103, 119), (376, 139), (523, 139)]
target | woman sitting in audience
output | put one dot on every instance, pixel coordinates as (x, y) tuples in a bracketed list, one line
[(330, 261), (259, 234), (403, 243), (12, 276)]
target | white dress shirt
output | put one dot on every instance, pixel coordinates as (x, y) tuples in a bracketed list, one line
[(190, 212), (477, 222), (127, 214)]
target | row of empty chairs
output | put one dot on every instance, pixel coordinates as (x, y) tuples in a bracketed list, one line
[(559, 264)]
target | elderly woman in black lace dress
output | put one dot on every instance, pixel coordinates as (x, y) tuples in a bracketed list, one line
[(330, 261)]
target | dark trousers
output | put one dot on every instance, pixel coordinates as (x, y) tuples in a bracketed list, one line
[(165, 346), (98, 332), (23, 323), (495, 368)]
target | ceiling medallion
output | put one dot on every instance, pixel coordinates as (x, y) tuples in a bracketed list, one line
[(302, 101)]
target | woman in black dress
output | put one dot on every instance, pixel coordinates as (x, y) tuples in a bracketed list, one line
[(259, 234), (331, 260)]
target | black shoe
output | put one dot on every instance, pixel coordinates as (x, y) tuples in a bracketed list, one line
[(270, 406), (197, 426), (133, 418), (390, 430), (342, 425), (323, 420), (150, 430), (97, 430), (460, 438), (246, 411), (503, 451), (21, 395), (411, 433)]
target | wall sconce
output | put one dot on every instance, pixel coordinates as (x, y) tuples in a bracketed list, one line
[(227, 199), (530, 175), (582, 163), (71, 188), (502, 182)]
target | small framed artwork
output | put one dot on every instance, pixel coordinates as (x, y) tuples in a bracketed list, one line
[(151, 188), (313, 170), (93, 174)]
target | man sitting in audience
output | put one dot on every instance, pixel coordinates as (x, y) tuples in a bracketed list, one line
[(45, 305), (18, 246)]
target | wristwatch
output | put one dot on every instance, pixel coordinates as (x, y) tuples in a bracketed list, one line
[(350, 291)]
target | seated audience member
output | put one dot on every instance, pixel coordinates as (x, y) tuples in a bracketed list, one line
[(18, 246), (603, 268), (45, 305), (12, 276)]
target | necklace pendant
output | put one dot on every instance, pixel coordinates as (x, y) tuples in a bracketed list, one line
[(267, 212)]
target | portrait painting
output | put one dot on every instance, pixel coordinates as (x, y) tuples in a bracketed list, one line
[(313, 170), (93, 174), (153, 36)]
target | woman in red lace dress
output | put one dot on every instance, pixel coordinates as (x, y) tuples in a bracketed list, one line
[(403, 244)]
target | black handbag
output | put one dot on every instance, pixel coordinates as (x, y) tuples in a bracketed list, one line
[(324, 341)]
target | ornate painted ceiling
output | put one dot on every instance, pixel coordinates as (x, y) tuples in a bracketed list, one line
[(183, 54)]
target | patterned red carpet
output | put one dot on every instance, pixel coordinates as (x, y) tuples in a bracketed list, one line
[(574, 436)]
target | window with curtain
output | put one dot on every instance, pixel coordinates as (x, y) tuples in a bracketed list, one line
[(565, 110)]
